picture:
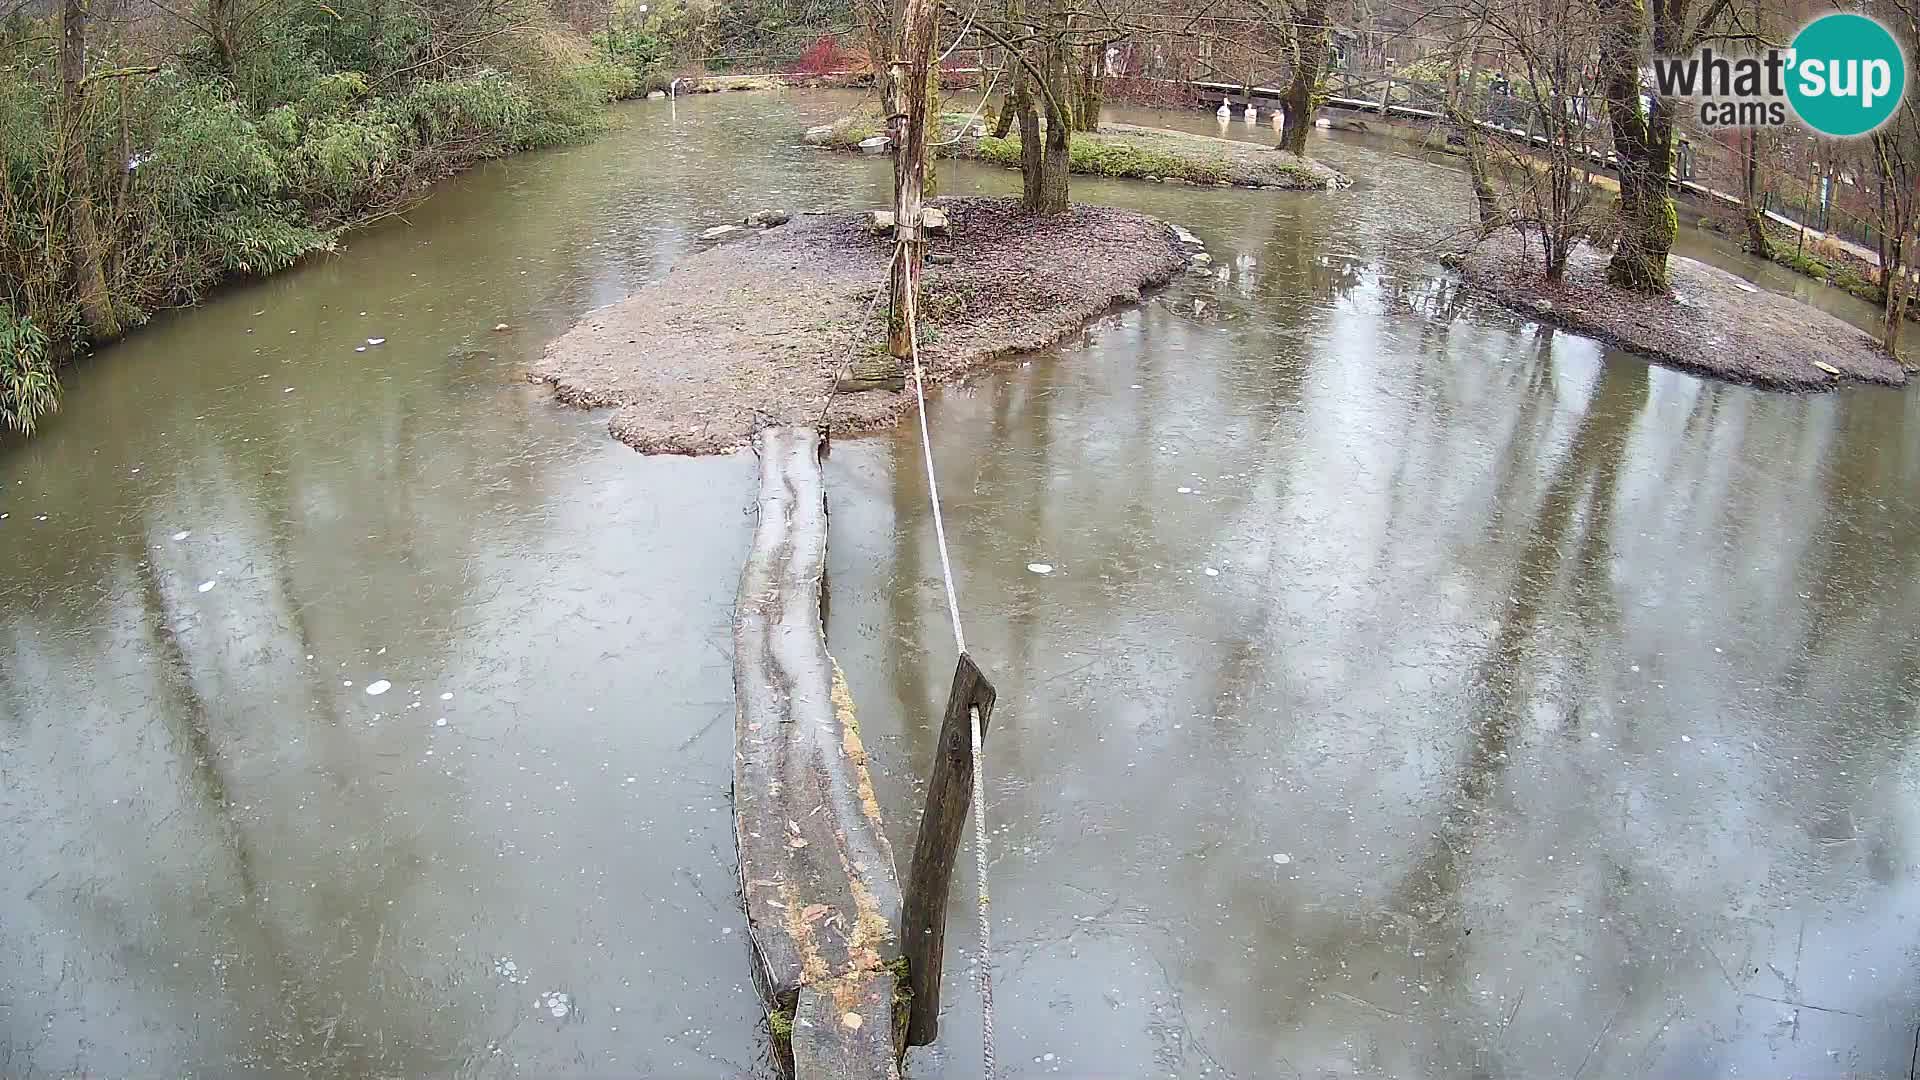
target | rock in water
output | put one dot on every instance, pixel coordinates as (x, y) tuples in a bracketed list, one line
[(656, 95), (767, 219), (818, 135), (720, 232)]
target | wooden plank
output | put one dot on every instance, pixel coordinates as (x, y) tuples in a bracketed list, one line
[(816, 870), (923, 927), (844, 1028)]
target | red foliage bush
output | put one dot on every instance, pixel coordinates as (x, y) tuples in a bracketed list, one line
[(824, 57)]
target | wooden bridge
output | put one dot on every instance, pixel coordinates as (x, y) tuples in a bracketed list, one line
[(1509, 118)]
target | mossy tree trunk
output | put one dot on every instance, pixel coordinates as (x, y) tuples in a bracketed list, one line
[(1042, 85), (1894, 149), (1311, 33), (1899, 285), (1752, 208), (1089, 87), (82, 232), (1003, 111), (1033, 151), (1465, 107), (220, 27), (1051, 196), (1643, 147)]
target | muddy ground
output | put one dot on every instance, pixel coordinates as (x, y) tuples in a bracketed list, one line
[(1713, 323), (754, 330)]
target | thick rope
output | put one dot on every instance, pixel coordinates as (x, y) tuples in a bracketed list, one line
[(973, 711), (926, 447), (980, 867)]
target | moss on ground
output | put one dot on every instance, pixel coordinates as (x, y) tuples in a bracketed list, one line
[(902, 1002), (1092, 155), (1120, 151), (1820, 260)]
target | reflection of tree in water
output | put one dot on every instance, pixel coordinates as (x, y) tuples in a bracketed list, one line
[(1572, 525), (316, 982), (282, 993)]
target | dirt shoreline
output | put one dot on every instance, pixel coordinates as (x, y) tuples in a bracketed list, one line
[(753, 331), (1713, 324)]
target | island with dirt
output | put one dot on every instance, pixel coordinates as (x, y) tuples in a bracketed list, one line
[(1711, 323), (755, 330)]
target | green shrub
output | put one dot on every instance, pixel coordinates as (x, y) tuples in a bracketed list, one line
[(28, 387), (211, 167)]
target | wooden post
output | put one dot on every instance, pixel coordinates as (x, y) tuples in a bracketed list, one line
[(912, 71), (909, 78), (1386, 94), (923, 920)]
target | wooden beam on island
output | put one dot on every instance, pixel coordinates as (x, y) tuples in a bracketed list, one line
[(816, 870)]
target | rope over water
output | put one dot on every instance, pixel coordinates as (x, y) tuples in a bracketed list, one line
[(973, 712), (960, 644)]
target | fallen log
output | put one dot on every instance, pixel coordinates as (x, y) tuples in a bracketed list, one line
[(816, 870)]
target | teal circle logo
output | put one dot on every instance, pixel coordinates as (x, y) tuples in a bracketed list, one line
[(1848, 75)]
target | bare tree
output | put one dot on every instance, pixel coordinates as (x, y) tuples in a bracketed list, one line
[(1896, 155), (76, 181), (1535, 183), (1753, 193)]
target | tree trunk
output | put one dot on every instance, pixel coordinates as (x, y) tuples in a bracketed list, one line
[(1052, 190), (1310, 55), (1090, 88), (1893, 312), (910, 79), (377, 33), (1466, 112), (1003, 112), (1757, 241), (877, 20), (220, 23), (1643, 146), (83, 232), (911, 76)]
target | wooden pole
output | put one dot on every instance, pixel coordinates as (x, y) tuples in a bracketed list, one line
[(912, 72), (923, 920)]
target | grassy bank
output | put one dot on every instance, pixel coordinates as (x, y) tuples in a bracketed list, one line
[(1121, 151), (183, 156), (1816, 257)]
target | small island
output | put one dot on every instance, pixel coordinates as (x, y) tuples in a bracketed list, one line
[(1121, 151), (1709, 323), (754, 330)]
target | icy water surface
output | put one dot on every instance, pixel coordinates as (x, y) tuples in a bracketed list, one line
[(1410, 691)]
